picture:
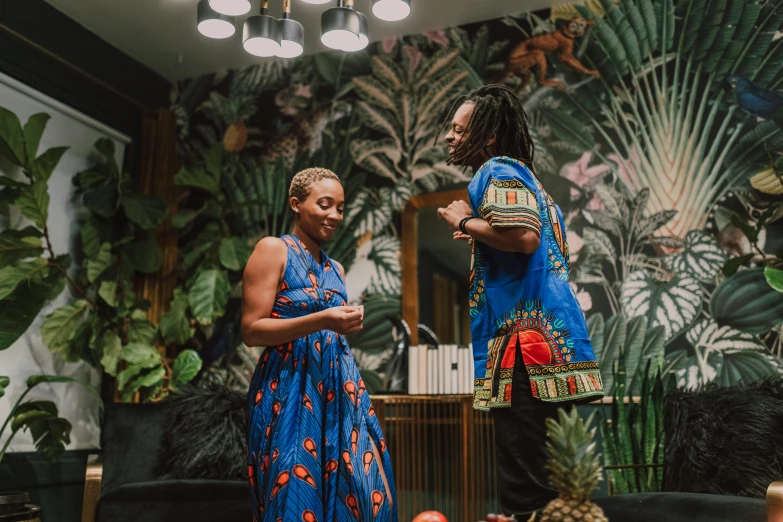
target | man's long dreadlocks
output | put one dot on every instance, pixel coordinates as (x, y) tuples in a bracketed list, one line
[(497, 113)]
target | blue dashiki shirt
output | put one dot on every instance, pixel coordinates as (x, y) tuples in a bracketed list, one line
[(525, 300)]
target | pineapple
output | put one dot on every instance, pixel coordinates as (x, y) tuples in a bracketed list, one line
[(574, 470)]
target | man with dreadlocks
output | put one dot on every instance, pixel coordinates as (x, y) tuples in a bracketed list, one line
[(531, 348)]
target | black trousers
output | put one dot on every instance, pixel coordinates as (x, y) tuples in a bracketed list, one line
[(520, 439)]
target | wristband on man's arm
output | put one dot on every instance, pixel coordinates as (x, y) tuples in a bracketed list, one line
[(463, 222)]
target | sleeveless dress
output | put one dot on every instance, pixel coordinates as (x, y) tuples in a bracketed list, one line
[(311, 427)]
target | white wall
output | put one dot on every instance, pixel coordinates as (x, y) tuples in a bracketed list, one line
[(29, 355)]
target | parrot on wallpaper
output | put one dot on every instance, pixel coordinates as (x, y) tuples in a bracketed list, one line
[(757, 101)]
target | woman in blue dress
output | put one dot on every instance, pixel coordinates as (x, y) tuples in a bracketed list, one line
[(315, 451)]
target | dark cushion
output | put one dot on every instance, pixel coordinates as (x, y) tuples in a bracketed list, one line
[(205, 434), (176, 501), (726, 441), (131, 439), (682, 507)]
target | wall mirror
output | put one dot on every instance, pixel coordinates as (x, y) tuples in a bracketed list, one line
[(435, 270)]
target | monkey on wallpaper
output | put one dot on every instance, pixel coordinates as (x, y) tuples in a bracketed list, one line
[(531, 54)]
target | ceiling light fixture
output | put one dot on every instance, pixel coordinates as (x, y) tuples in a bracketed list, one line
[(292, 34), (212, 24), (340, 26), (391, 10), (364, 40), (261, 34), (230, 7)]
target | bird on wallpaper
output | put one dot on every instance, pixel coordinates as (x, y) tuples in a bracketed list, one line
[(755, 100)]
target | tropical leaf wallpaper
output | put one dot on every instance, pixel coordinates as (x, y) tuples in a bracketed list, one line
[(658, 130)]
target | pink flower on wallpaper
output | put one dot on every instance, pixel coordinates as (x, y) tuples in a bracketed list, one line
[(583, 298), (414, 55), (291, 99), (581, 174), (575, 245), (438, 37), (303, 91), (389, 45)]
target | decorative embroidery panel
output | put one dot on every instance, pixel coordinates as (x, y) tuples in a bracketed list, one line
[(509, 203), (477, 294), (548, 352)]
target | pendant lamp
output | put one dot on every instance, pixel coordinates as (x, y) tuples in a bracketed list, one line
[(212, 24), (230, 7), (292, 34), (261, 34), (391, 10), (340, 26)]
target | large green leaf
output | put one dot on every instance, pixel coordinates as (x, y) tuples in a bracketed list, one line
[(127, 375), (99, 263), (44, 165), (140, 330), (18, 310), (673, 304), (209, 295), (774, 277), (174, 325), (144, 355), (34, 203), (108, 292), (60, 326), (724, 354), (745, 366), (144, 254), (150, 379), (234, 253), (35, 380), (110, 358), (147, 211), (385, 256), (49, 432), (388, 71), (33, 130), (375, 92), (186, 367), (199, 178), (102, 198), (709, 336), (622, 27), (16, 245), (213, 161), (747, 302), (12, 276), (633, 349), (702, 258), (11, 138)]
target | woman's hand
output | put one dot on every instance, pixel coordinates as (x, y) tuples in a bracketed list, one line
[(454, 213), (344, 319)]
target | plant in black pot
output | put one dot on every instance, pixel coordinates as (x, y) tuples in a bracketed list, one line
[(50, 434)]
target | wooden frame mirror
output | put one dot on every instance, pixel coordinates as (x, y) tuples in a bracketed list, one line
[(410, 246)]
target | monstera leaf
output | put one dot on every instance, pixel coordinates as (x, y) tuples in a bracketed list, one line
[(385, 255), (673, 304), (373, 213), (702, 258), (720, 353)]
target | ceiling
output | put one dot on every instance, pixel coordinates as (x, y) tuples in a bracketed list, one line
[(162, 35)]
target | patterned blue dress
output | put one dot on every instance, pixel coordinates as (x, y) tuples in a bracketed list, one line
[(311, 427)]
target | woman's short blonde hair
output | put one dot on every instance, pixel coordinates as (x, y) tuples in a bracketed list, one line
[(300, 185)]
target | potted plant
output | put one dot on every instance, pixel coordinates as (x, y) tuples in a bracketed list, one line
[(50, 434)]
